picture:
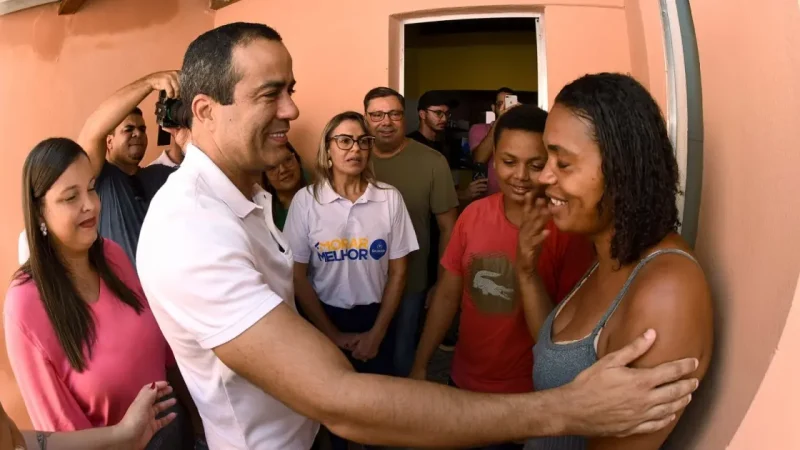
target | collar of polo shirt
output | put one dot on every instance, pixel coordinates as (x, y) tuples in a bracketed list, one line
[(223, 186), (372, 194)]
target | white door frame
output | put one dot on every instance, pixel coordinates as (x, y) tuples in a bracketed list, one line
[(541, 59)]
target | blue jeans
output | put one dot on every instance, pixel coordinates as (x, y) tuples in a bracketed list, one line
[(407, 320)]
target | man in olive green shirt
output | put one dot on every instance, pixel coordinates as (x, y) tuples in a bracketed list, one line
[(423, 177)]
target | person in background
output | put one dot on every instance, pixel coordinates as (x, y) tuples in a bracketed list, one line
[(612, 177), (423, 177), (222, 291), (493, 351), (141, 422), (76, 306), (355, 234), (481, 140), (115, 138), (434, 111), (172, 156), (282, 179)]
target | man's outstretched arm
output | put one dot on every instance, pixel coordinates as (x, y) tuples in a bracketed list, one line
[(111, 112), (293, 362)]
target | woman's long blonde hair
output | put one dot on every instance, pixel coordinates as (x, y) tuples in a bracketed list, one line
[(323, 173)]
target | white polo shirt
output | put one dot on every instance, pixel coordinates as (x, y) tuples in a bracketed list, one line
[(212, 263), (348, 245)]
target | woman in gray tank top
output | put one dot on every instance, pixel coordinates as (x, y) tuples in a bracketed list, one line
[(612, 177)]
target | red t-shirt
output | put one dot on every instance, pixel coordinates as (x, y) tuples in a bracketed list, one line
[(494, 349)]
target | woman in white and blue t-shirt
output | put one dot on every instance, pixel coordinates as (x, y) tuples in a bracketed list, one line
[(350, 236)]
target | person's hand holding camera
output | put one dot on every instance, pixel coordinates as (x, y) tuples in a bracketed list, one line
[(166, 81)]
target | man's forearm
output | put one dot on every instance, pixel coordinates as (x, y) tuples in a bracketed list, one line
[(535, 300), (392, 295), (401, 412), (106, 438), (440, 316)]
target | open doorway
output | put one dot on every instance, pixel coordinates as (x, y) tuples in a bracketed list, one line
[(467, 58)]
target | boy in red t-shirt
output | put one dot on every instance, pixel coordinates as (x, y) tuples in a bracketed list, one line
[(494, 350)]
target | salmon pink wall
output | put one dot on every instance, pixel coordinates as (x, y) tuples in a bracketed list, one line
[(55, 71), (749, 219)]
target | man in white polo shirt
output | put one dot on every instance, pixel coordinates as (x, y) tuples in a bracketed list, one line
[(221, 289)]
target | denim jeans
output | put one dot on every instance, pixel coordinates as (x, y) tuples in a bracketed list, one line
[(407, 320)]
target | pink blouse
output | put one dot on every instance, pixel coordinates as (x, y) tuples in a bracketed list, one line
[(129, 352)]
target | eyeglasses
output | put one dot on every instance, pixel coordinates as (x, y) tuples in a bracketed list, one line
[(377, 116), (346, 142), (287, 163), (440, 114)]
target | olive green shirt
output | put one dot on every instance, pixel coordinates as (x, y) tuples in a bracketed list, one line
[(423, 177)]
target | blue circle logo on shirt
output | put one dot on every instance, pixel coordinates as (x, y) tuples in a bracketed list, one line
[(377, 249)]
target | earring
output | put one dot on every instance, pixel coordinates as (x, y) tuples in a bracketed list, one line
[(330, 163), (43, 227)]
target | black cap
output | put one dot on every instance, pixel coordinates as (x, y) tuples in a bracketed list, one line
[(435, 98)]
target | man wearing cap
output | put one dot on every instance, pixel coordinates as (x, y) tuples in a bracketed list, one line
[(434, 113)]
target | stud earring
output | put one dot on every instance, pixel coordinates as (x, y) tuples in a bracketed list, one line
[(43, 227), (330, 163)]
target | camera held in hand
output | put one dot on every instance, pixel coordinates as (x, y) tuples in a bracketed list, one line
[(169, 111)]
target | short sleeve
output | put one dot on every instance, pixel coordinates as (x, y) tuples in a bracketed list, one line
[(206, 280), (443, 192), (454, 253), (296, 227), (49, 402), (403, 239)]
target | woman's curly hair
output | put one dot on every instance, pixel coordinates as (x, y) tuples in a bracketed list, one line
[(639, 165)]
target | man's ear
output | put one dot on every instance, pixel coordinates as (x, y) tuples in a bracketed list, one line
[(109, 142), (421, 115), (203, 112)]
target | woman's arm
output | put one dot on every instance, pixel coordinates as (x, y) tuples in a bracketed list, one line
[(369, 342), (133, 432), (50, 403), (671, 296), (312, 307)]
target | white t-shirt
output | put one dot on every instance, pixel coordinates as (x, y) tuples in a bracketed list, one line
[(348, 245), (23, 249), (163, 159), (222, 266)]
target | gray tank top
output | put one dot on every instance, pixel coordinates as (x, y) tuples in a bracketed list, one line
[(556, 364)]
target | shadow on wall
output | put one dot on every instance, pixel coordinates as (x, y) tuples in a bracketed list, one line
[(51, 30)]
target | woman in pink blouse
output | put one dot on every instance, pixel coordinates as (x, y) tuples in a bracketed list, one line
[(81, 337)]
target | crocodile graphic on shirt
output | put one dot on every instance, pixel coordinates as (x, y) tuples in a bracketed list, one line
[(483, 281), (491, 283)]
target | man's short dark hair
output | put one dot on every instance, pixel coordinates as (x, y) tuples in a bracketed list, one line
[(525, 117), (208, 63), (136, 112), (381, 92)]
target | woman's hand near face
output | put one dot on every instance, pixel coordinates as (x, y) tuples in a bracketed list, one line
[(532, 233)]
